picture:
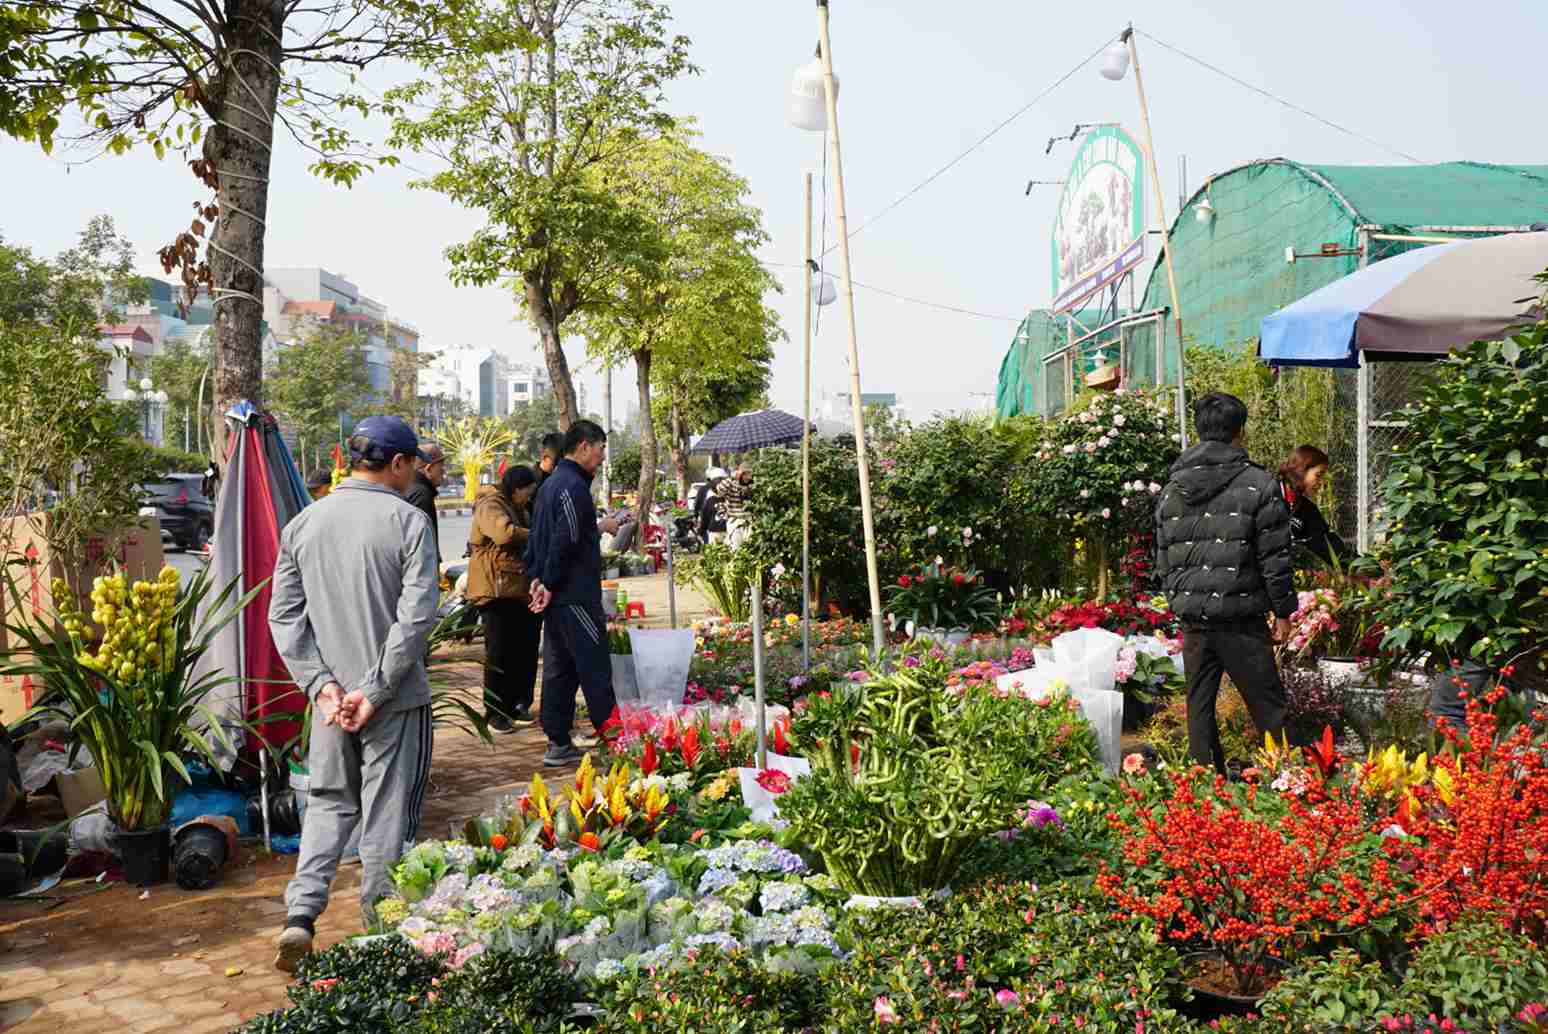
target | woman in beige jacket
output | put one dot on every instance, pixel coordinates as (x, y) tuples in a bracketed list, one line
[(499, 586)]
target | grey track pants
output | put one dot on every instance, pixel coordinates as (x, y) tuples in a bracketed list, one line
[(375, 779)]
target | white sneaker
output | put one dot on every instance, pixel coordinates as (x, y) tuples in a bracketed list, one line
[(295, 944)]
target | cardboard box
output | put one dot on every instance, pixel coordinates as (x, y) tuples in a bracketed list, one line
[(32, 567), (79, 790)]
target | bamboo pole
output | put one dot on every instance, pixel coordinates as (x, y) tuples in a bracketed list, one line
[(857, 409), (806, 451), (1166, 240)]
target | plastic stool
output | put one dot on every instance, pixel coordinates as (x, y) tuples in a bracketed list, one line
[(634, 609)]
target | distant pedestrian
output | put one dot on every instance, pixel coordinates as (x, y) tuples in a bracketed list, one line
[(429, 475), (319, 484), (499, 586), (1300, 478), (551, 453), (734, 494), (354, 599), (712, 513), (1223, 552), (564, 558)]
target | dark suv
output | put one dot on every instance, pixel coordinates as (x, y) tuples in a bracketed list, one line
[(187, 516)]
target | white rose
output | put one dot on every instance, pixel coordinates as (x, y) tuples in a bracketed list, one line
[(1085, 493), (1106, 512), (1118, 420), (932, 530), (1154, 488)]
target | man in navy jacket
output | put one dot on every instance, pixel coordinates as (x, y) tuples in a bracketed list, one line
[(564, 558)]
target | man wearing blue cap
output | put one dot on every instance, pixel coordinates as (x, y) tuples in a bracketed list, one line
[(354, 598)]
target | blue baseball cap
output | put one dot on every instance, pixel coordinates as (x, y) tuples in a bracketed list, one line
[(386, 437)]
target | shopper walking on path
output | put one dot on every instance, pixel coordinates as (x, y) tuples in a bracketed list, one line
[(564, 558), (429, 475), (734, 492), (1223, 552), (499, 586), (354, 599)]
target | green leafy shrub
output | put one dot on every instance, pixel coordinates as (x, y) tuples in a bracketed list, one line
[(1468, 510), (715, 993), (723, 574), (774, 514), (368, 987), (907, 776), (1094, 469), (1041, 851), (1341, 992), (1476, 972), (1006, 957)]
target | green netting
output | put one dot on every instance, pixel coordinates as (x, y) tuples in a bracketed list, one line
[(1449, 194), (1231, 269)]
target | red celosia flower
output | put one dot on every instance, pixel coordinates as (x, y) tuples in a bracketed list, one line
[(780, 727), (648, 760), (690, 745)]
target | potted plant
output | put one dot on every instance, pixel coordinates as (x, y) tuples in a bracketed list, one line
[(944, 604), (124, 678)]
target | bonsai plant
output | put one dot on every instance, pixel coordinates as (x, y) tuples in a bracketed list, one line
[(125, 680)]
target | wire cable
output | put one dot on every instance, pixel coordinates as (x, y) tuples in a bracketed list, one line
[(938, 173), (908, 298), (1260, 91)]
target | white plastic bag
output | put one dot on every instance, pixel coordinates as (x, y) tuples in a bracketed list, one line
[(765, 805), (626, 688), (1103, 708), (661, 660), (1089, 657)]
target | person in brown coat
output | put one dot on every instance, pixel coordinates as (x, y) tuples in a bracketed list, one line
[(499, 586)]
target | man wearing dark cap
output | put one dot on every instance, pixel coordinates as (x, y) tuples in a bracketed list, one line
[(319, 484), (354, 598)]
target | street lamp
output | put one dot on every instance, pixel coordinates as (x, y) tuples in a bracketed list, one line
[(147, 396)]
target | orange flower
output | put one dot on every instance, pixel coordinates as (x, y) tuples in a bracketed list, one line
[(499, 842)]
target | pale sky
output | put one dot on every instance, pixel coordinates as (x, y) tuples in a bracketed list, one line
[(920, 82)]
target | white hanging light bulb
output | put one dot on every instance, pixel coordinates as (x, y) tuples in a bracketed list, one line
[(824, 291), (1115, 61), (807, 107), (1204, 212)]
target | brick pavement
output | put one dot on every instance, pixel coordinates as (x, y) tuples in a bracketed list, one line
[(102, 958)]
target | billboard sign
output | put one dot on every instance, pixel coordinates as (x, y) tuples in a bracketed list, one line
[(1099, 230)]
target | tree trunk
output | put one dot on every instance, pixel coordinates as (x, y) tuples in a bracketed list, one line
[(648, 453), (540, 309), (238, 149), (680, 451)]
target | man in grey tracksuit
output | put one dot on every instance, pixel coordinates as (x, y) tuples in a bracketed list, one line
[(354, 598)]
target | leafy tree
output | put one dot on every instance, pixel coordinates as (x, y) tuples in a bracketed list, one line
[(85, 285), (318, 382), (692, 397), (208, 81), (838, 565), (69, 452), (404, 367), (178, 370), (533, 106), (529, 422), (703, 300)]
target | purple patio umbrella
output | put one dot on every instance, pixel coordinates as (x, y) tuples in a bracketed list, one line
[(748, 431)]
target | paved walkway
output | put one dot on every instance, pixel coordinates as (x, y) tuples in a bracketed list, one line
[(105, 957)]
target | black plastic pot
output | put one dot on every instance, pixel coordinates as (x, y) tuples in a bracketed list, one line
[(146, 855), (1213, 1005), (198, 855), (1135, 713)]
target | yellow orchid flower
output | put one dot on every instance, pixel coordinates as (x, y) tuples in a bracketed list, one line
[(1444, 785), (539, 798)]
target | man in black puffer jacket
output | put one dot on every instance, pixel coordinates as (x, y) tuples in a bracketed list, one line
[(1223, 553)]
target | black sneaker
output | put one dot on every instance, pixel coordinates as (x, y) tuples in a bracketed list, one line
[(559, 755), (521, 716), (498, 724)]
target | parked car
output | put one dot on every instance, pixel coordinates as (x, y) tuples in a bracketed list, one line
[(187, 516)]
